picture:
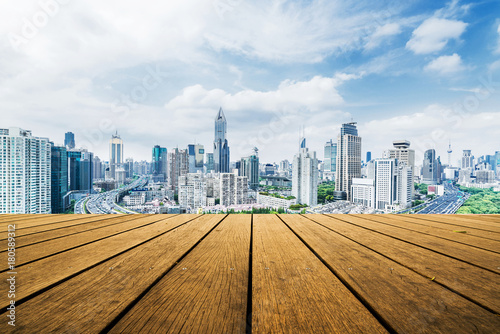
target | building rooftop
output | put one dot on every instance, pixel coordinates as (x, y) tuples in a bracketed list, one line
[(259, 273)]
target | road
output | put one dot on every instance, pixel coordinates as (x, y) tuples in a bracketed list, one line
[(449, 203), (105, 203)]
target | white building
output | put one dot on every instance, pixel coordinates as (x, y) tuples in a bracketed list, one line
[(24, 172), (404, 154), (233, 189), (305, 176), (363, 192), (192, 191), (275, 202)]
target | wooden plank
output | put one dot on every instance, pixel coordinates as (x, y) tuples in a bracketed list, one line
[(205, 293), (409, 302), (45, 220), (90, 301), (399, 221), (47, 248), (63, 228), (451, 223), (477, 284), (292, 291), (479, 257), (488, 220), (91, 225), (72, 262)]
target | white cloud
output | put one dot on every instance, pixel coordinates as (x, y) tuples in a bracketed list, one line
[(433, 35), (498, 45), (381, 33), (446, 64)]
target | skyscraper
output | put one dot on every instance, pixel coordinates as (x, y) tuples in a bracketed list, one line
[(368, 156), (210, 162), (467, 160), (330, 162), (69, 140), (249, 167), (430, 167), (97, 169), (80, 170), (115, 153), (24, 172), (59, 178), (348, 158), (221, 147), (159, 163), (177, 166), (404, 155), (305, 176), (196, 157)]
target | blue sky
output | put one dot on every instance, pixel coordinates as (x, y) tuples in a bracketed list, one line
[(426, 71)]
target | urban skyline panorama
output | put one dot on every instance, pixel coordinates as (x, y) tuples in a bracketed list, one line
[(426, 71)]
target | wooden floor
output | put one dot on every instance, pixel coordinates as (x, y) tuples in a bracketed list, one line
[(253, 273)]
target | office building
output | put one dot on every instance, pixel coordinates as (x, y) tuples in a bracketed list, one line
[(69, 140), (368, 156), (210, 165), (221, 146), (249, 167), (25, 172), (467, 159), (305, 176), (348, 158), (269, 169), (196, 156), (80, 170), (97, 169), (159, 163), (404, 155), (330, 161), (485, 176), (430, 168), (363, 192), (115, 154), (59, 178), (178, 165), (285, 168)]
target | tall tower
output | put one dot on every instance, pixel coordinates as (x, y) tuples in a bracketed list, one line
[(221, 147), (69, 140), (305, 176), (115, 153), (449, 154), (348, 158)]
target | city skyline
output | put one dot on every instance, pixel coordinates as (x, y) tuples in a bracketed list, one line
[(425, 71)]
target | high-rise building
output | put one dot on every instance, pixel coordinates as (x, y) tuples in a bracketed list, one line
[(178, 165), (233, 189), (129, 167), (25, 168), (196, 155), (368, 156), (221, 147), (330, 162), (80, 170), (115, 154), (69, 140), (192, 191), (59, 178), (159, 163), (285, 168), (210, 163), (97, 169), (404, 155), (348, 158), (430, 168), (485, 176), (305, 176), (249, 167), (467, 160)]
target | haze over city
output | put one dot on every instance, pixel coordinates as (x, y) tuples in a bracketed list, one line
[(426, 71)]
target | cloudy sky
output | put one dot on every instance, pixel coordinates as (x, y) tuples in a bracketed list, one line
[(158, 71)]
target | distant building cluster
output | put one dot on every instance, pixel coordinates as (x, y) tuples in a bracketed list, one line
[(38, 176)]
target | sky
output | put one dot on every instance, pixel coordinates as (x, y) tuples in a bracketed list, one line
[(157, 72)]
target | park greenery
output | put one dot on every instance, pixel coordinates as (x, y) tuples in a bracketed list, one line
[(325, 192), (481, 201), (421, 188), (297, 206)]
